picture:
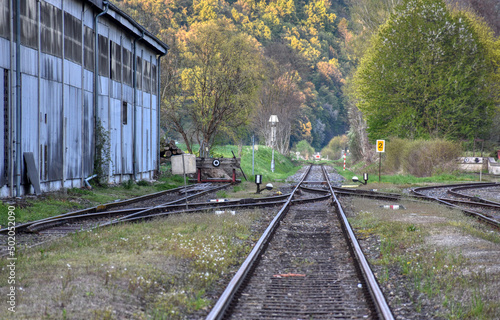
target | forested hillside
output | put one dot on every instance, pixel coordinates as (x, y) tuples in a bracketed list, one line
[(296, 68)]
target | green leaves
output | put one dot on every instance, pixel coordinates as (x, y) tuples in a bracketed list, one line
[(220, 78), (426, 75)]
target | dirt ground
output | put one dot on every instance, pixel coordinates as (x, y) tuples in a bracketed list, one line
[(474, 247)]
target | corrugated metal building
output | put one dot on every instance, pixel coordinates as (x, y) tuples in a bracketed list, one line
[(52, 115)]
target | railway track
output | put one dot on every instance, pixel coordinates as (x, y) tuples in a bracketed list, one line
[(302, 267), (141, 208), (458, 196), (307, 264), (41, 231), (166, 196)]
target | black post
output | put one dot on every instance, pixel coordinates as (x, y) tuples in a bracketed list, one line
[(379, 164)]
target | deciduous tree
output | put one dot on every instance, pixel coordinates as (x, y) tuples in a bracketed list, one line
[(219, 80), (428, 73)]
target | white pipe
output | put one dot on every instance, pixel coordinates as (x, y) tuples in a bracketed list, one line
[(89, 178)]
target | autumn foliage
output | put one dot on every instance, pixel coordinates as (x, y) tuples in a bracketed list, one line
[(299, 74)]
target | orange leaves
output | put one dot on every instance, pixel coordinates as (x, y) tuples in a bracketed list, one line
[(329, 70), (306, 129)]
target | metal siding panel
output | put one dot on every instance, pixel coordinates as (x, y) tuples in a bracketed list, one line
[(2, 129), (115, 34), (29, 97), (88, 80), (73, 7), (115, 136), (43, 137), (127, 142), (138, 140), (72, 74), (116, 91), (56, 3), (88, 134), (146, 100), (103, 111), (127, 43), (103, 86), (4, 53), (103, 116), (73, 148), (50, 67), (29, 58), (55, 129), (154, 136), (88, 18), (146, 148), (127, 94), (154, 139)]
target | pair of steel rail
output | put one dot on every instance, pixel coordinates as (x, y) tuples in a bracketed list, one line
[(223, 304)]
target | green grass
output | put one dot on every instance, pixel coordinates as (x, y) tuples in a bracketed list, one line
[(162, 269), (402, 179)]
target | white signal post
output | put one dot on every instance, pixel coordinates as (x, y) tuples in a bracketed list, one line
[(380, 146), (345, 156), (274, 121)]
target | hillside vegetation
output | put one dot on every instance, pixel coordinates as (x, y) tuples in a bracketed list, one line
[(254, 59), (373, 69)]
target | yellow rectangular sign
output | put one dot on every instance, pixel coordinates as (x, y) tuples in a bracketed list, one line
[(380, 145)]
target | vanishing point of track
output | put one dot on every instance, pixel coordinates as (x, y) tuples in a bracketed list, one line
[(307, 264)]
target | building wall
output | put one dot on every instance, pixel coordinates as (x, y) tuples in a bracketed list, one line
[(58, 92), (493, 166)]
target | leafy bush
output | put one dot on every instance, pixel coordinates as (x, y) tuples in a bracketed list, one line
[(143, 183), (305, 149), (129, 184), (394, 154), (422, 158), (334, 148)]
